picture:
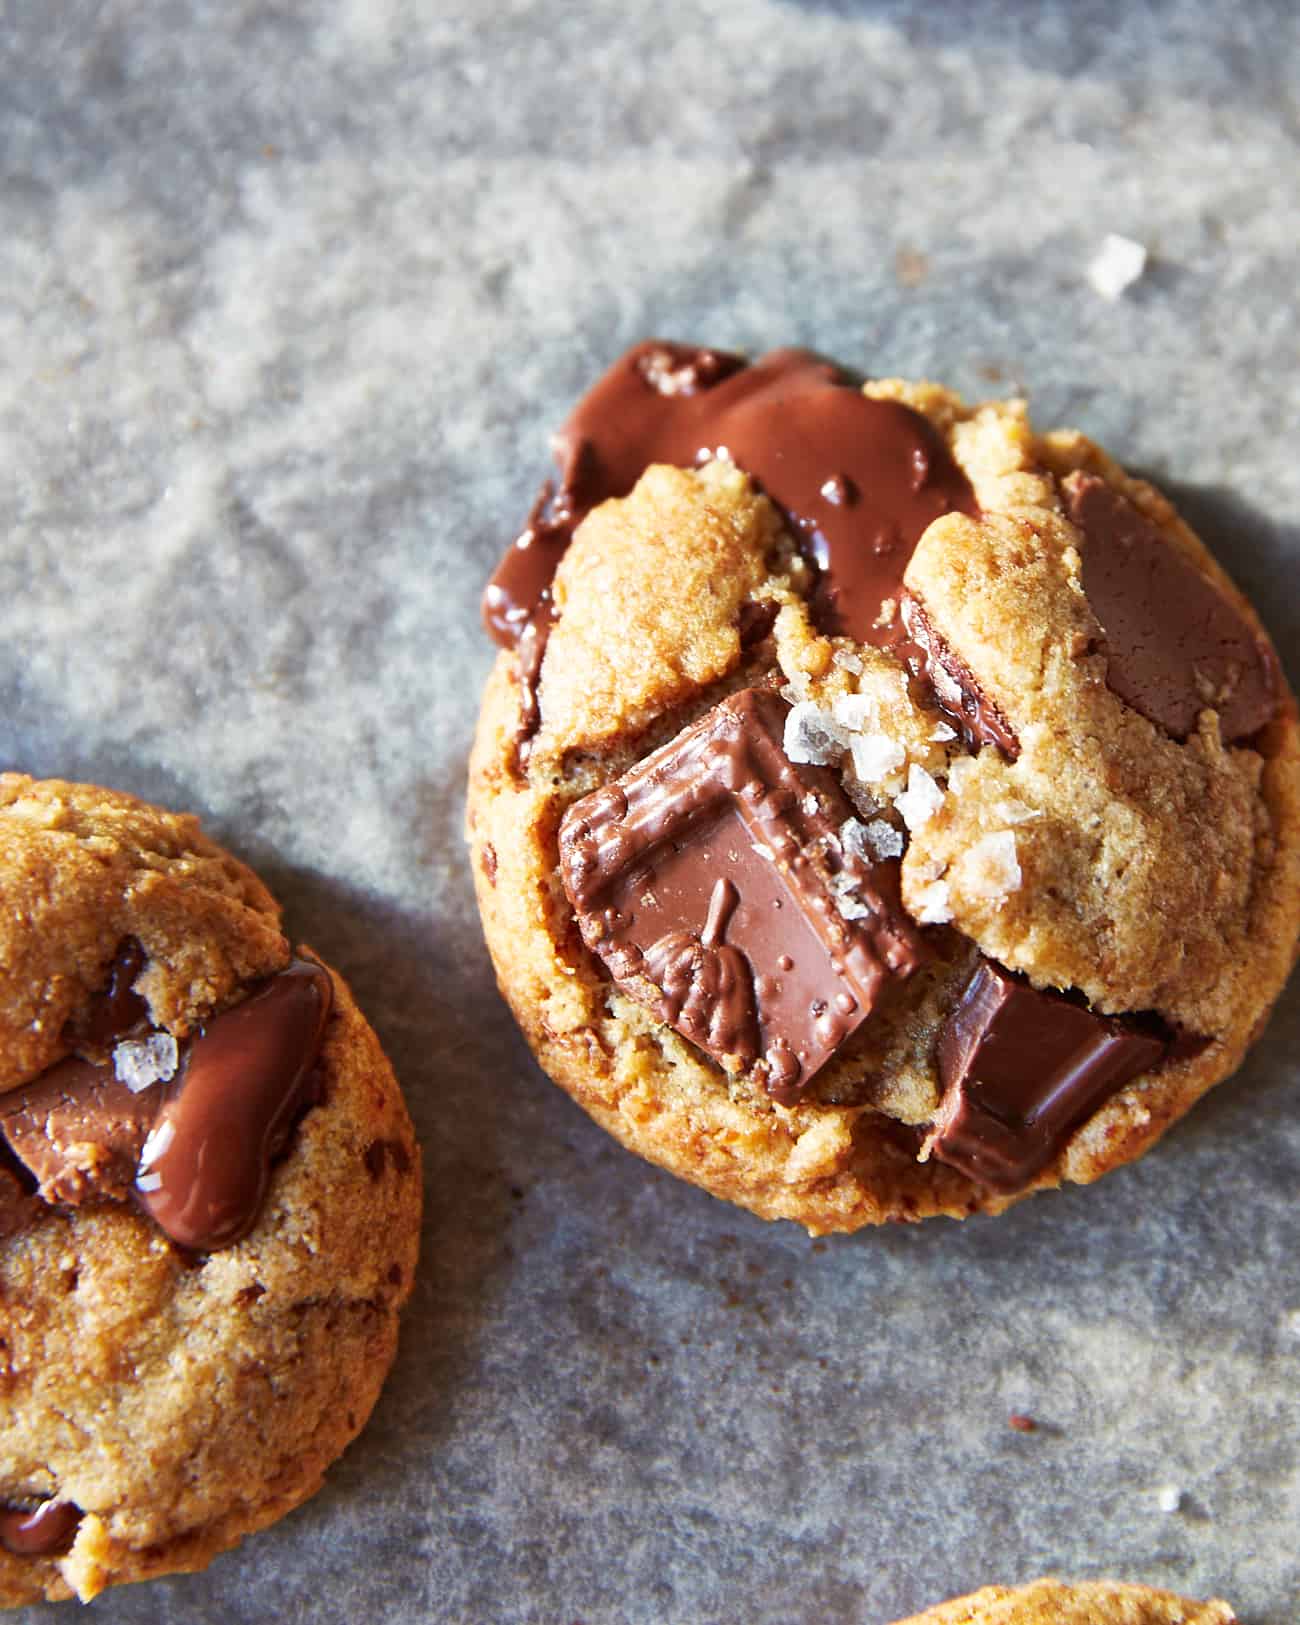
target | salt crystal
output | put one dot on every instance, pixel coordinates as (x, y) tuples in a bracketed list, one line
[(942, 733), (932, 904), (141, 1062), (921, 800), (884, 840), (847, 899), (1014, 811), (990, 868), (1117, 265), (812, 736), (876, 756), (872, 842), (854, 711), (848, 660), (1169, 1498)]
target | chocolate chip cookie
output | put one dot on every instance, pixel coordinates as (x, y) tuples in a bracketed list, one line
[(209, 1199), (1099, 1602), (879, 808)]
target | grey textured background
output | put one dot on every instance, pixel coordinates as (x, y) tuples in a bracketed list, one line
[(290, 297)]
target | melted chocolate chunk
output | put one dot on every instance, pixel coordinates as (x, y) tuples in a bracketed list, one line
[(858, 480), (1175, 646), (711, 881), (49, 1531), (117, 1008), (950, 681), (1021, 1069), (195, 1153), (204, 1169), (78, 1131)]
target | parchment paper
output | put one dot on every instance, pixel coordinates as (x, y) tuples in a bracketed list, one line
[(291, 296)]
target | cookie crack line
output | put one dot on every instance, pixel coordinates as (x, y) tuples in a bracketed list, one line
[(770, 881)]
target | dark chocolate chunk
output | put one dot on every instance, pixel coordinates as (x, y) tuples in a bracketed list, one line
[(1175, 646), (712, 882), (195, 1153), (204, 1168), (117, 1008), (950, 681), (79, 1131), (47, 1531), (1021, 1069), (858, 480)]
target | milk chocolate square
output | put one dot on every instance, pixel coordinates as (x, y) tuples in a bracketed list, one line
[(712, 882)]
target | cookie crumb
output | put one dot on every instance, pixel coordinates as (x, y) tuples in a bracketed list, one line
[(1117, 265), (1022, 1423), (141, 1062)]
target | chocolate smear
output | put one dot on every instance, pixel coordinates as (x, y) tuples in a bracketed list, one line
[(1022, 1069), (858, 480), (1175, 645), (711, 881), (48, 1531), (204, 1168), (950, 682)]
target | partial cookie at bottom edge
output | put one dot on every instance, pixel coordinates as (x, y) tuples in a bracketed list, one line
[(247, 1371)]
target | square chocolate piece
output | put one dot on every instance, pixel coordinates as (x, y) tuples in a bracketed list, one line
[(712, 881)]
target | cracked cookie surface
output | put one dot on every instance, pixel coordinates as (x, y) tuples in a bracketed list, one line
[(1138, 881), (167, 1401)]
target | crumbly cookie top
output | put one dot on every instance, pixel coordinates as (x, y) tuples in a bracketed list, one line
[(84, 870)]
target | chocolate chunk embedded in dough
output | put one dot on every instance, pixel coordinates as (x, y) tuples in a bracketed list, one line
[(950, 681), (204, 1169), (78, 1131), (48, 1531), (712, 882), (1175, 645), (1021, 1069)]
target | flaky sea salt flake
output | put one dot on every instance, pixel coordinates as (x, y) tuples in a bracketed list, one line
[(932, 907), (918, 804), (942, 733), (1116, 266), (884, 840), (812, 736), (876, 756), (856, 712), (142, 1062)]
